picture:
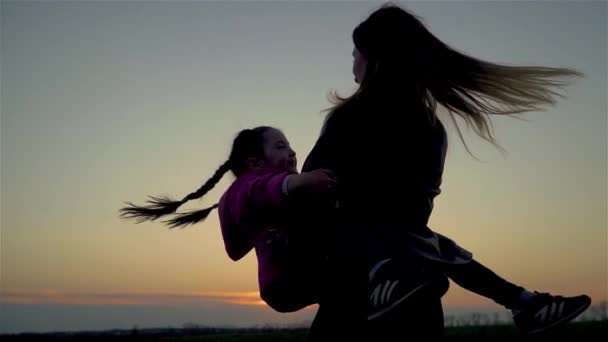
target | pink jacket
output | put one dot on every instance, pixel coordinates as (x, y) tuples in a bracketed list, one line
[(251, 216), (252, 202)]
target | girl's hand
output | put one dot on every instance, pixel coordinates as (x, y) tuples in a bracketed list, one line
[(320, 180)]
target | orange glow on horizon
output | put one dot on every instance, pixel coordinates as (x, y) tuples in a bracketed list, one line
[(143, 298)]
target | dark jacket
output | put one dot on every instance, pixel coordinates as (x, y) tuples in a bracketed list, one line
[(389, 165)]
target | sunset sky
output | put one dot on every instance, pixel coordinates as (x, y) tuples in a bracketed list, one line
[(106, 102)]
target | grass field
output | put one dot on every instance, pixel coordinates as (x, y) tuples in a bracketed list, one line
[(582, 330)]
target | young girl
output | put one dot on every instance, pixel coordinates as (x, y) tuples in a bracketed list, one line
[(254, 213)]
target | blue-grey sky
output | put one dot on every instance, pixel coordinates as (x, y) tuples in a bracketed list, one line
[(106, 102)]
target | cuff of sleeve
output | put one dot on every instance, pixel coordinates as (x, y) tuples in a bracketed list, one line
[(284, 190)]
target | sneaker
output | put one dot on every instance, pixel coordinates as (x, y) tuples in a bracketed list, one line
[(546, 311), (391, 283)]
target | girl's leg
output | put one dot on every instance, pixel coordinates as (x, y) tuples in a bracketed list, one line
[(479, 279), (532, 312)]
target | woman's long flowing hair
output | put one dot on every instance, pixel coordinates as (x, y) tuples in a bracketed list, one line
[(413, 70)]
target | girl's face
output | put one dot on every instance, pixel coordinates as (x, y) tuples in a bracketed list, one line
[(359, 65), (277, 152)]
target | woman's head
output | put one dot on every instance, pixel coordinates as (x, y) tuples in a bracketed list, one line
[(396, 48), (252, 148), (399, 64)]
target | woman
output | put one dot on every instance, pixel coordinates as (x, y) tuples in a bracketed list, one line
[(386, 141)]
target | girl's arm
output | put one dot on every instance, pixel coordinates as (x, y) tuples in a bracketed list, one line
[(253, 199), (316, 181), (268, 191)]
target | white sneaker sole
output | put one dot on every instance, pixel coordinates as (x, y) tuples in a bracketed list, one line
[(397, 302), (564, 319)]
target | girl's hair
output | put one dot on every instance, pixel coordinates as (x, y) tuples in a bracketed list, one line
[(412, 70), (249, 143)]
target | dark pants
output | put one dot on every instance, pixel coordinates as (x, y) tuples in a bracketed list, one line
[(342, 314), (406, 323)]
